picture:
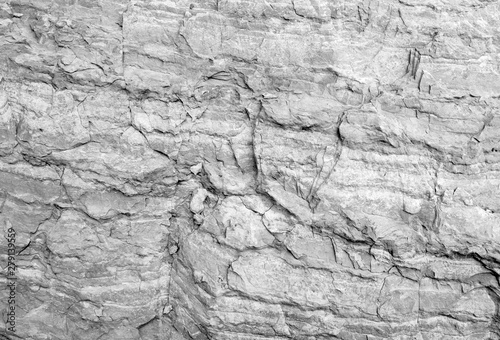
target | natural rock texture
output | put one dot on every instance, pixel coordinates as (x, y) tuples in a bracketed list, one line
[(225, 169)]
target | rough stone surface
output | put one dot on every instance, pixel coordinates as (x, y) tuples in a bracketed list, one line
[(251, 169)]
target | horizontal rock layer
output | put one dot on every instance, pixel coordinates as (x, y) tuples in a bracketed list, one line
[(285, 169)]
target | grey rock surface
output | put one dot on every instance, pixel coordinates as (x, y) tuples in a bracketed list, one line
[(232, 169)]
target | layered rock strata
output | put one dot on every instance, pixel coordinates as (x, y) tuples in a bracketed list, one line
[(281, 169)]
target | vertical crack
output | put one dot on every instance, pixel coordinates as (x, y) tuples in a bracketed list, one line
[(330, 159), (438, 197), (413, 63), (123, 35), (257, 159)]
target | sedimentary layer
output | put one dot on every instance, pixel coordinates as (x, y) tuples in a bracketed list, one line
[(281, 169)]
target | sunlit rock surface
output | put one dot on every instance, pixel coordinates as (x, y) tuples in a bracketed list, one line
[(281, 169)]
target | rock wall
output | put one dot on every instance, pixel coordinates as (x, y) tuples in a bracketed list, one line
[(251, 169)]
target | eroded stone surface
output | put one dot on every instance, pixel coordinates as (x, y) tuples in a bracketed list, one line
[(286, 169)]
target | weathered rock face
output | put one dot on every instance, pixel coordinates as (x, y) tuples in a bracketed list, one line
[(231, 169)]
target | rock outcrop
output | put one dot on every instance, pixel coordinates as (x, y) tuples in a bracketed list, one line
[(232, 169)]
